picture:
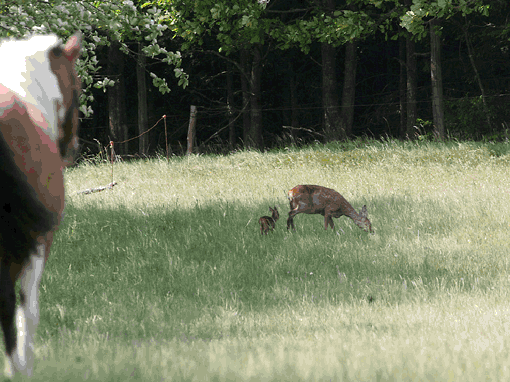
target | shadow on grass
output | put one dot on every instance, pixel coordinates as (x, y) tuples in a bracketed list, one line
[(182, 270)]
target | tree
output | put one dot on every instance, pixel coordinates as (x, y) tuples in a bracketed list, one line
[(419, 15), (436, 78), (333, 127), (143, 124), (349, 88), (334, 24), (412, 87), (469, 46), (116, 102), (255, 132), (239, 30), (402, 85)]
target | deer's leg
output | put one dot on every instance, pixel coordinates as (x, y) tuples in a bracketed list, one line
[(331, 223), (293, 211), (7, 308), (27, 315), (328, 219), (290, 223), (264, 226), (290, 220)]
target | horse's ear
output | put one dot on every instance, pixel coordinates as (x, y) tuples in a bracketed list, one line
[(72, 47)]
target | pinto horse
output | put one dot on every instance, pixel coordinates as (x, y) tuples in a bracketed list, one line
[(39, 91)]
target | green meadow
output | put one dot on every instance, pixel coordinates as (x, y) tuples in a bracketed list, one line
[(167, 278)]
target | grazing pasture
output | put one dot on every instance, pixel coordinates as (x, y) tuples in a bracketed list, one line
[(166, 277)]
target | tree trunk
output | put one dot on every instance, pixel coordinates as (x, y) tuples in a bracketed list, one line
[(294, 104), (246, 96), (143, 124), (255, 139), (349, 90), (230, 108), (477, 76), (412, 113), (437, 79), (402, 86), (191, 129), (332, 120), (116, 101)]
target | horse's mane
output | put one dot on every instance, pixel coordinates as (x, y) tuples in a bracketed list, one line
[(25, 69)]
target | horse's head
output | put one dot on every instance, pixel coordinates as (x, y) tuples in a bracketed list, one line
[(62, 64), (41, 72)]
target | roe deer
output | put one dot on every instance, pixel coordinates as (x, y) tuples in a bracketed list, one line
[(268, 222), (311, 199)]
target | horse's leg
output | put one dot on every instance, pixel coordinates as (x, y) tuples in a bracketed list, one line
[(7, 307), (27, 314)]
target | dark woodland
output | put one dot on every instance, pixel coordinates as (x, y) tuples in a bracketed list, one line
[(263, 88)]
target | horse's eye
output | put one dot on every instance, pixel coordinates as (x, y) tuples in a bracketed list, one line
[(57, 51)]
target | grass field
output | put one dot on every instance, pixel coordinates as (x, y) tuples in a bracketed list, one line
[(166, 277)]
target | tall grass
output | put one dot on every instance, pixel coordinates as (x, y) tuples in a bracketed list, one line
[(166, 277)]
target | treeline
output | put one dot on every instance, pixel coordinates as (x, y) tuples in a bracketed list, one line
[(265, 73)]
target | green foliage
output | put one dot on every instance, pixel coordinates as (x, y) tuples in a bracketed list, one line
[(413, 19), (239, 24), (234, 25), (466, 118)]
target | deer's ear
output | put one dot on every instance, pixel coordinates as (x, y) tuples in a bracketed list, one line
[(364, 212)]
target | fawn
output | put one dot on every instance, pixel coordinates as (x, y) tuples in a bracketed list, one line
[(268, 222), (311, 199)]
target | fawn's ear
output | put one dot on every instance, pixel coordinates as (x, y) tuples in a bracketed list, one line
[(363, 212)]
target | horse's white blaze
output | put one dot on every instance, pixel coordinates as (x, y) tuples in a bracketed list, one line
[(27, 72)]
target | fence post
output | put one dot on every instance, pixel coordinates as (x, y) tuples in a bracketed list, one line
[(191, 128), (166, 138)]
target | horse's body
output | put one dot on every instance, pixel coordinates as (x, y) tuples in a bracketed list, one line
[(39, 92)]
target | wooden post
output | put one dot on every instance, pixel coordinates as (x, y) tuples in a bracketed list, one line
[(191, 128), (111, 156), (166, 138)]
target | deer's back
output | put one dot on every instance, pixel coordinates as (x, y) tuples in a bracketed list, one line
[(315, 199)]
